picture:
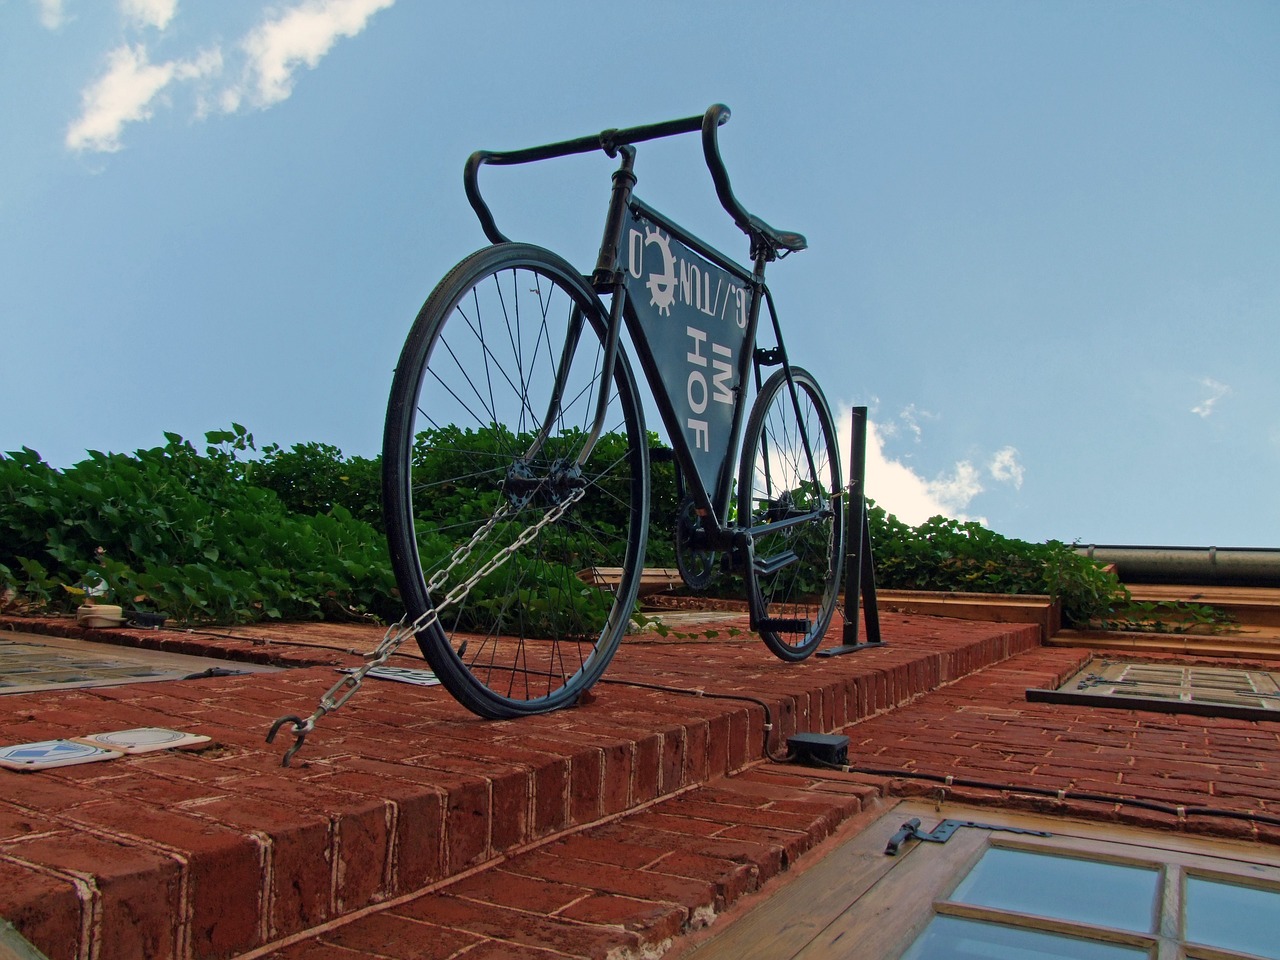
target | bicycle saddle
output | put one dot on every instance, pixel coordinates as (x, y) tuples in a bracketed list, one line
[(776, 239)]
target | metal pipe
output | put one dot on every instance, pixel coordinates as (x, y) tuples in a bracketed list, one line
[(1206, 566)]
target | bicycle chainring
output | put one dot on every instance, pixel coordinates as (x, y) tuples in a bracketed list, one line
[(697, 565)]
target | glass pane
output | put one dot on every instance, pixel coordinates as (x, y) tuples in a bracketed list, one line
[(951, 938), (1233, 916), (1086, 891)]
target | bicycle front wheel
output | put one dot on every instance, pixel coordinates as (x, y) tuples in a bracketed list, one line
[(487, 509), (788, 486)]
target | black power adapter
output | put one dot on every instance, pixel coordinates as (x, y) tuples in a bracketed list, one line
[(819, 749)]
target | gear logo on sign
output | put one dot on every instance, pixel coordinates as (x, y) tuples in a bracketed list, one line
[(662, 286)]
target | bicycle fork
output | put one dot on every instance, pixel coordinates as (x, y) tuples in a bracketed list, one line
[(607, 277)]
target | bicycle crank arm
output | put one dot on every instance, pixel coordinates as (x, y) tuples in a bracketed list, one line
[(768, 567), (792, 520), (783, 625)]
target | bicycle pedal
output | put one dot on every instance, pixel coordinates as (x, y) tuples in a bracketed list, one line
[(784, 625)]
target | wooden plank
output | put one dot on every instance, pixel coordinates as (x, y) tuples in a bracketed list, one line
[(652, 579), (802, 912), (791, 918), (994, 607), (890, 915), (1258, 643)]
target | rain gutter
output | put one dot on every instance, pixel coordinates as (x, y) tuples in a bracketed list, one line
[(1206, 566)]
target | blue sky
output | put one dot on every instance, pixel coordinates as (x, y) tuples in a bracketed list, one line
[(1045, 237)]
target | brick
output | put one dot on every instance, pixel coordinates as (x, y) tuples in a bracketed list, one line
[(418, 813), (219, 864), (423, 790), (43, 907), (672, 760), (732, 879), (586, 773), (466, 823), (724, 813), (516, 927), (647, 774), (650, 921), (298, 856), (489, 806), (359, 833), (504, 888), (551, 785), (791, 843), (609, 878), (392, 936), (616, 852), (506, 950), (138, 890)]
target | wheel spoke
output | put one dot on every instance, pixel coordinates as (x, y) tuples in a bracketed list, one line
[(473, 389), (793, 581)]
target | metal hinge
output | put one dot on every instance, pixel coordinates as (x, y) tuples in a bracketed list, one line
[(943, 831)]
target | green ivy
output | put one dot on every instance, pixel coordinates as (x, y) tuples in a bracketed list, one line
[(231, 534), (953, 555), (188, 533)]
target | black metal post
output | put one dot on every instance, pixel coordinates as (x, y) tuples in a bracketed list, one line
[(859, 567)]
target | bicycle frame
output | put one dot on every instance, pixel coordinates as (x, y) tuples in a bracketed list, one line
[(692, 371), (694, 333)]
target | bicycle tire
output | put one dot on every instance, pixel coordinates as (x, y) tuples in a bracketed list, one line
[(793, 581), (471, 390)]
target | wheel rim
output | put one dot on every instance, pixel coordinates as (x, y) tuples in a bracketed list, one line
[(777, 483), (535, 632)]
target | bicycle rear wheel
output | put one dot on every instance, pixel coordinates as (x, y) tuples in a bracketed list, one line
[(789, 497), (473, 391)]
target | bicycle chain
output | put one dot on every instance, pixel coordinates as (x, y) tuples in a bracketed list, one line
[(398, 633)]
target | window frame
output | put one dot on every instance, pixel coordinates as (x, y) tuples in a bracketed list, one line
[(858, 902), (1100, 681)]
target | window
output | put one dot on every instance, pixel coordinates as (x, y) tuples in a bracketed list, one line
[(1066, 898), (1086, 891), (1172, 688)]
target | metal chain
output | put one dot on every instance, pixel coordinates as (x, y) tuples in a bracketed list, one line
[(399, 632)]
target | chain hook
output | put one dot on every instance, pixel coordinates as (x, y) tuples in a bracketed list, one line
[(345, 689), (300, 730)]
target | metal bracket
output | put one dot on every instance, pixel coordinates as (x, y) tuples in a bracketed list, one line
[(771, 357), (943, 831)]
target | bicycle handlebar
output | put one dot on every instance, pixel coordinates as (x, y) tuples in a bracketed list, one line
[(610, 141)]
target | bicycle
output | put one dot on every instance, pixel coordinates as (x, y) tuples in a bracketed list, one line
[(516, 458)]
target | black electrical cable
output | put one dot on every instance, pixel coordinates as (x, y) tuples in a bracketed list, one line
[(949, 780), (663, 688), (267, 641)]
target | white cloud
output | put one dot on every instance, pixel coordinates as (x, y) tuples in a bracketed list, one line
[(121, 95), (126, 93), (1005, 467), (52, 16), (900, 490), (149, 13), (298, 37), (132, 88), (956, 489), (908, 420), (911, 418), (1216, 392)]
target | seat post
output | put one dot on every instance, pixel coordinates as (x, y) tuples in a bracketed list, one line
[(605, 276)]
